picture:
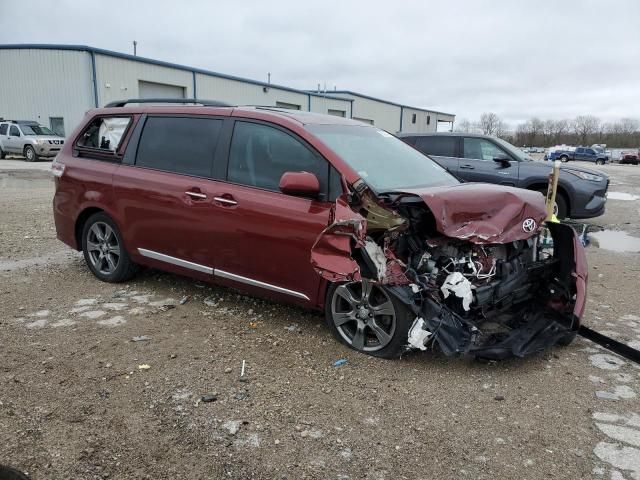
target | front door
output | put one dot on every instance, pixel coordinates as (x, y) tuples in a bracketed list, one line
[(264, 237), (14, 140), (478, 165), (165, 199)]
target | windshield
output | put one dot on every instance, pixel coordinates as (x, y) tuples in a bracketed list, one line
[(35, 130), (515, 151), (383, 161)]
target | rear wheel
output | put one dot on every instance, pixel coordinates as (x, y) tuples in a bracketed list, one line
[(368, 318), (104, 250), (599, 162), (30, 154)]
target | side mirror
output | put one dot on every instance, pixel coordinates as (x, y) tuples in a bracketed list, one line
[(304, 184), (502, 160)]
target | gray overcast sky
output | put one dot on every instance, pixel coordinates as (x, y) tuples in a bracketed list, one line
[(546, 58)]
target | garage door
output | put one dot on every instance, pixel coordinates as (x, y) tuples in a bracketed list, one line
[(159, 90)]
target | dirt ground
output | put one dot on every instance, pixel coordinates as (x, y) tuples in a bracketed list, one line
[(78, 402)]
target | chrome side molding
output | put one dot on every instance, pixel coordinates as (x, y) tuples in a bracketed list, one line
[(218, 273), (175, 261), (257, 283)]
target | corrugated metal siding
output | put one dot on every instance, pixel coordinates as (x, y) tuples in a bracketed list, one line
[(118, 78), (38, 84), (384, 116), (240, 93), (421, 125), (323, 105)]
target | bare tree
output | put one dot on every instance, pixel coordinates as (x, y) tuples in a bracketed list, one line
[(464, 126), (489, 123), (586, 126)]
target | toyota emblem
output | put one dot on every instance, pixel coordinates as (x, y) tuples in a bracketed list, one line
[(529, 225)]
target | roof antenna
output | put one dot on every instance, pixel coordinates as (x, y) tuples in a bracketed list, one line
[(135, 48)]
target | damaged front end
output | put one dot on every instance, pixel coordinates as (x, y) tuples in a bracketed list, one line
[(473, 265)]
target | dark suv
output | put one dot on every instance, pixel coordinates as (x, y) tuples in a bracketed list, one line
[(582, 193), (324, 212)]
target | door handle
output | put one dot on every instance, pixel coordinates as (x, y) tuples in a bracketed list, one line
[(225, 201), (196, 195), (468, 167)]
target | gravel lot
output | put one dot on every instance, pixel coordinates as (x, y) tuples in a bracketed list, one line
[(78, 401)]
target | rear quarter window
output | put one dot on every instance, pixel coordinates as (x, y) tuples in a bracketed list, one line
[(103, 136), (184, 145), (437, 146)]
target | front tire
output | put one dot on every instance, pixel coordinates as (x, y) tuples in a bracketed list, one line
[(104, 251), (561, 208), (30, 154), (564, 159), (366, 317)]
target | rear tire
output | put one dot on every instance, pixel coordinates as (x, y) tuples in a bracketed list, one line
[(599, 162), (2, 154), (30, 154), (104, 251), (368, 319)]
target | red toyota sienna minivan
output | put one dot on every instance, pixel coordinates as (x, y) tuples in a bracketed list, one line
[(325, 212)]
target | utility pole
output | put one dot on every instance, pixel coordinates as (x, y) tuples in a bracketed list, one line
[(135, 48)]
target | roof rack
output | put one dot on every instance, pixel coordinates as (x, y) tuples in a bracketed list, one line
[(205, 103)]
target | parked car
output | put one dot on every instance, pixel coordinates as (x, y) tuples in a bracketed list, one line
[(324, 212), (29, 139), (582, 193), (629, 157), (586, 154)]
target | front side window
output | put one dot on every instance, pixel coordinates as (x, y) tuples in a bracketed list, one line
[(481, 149), (179, 144), (14, 132), (383, 161), (260, 154), (437, 146), (104, 133)]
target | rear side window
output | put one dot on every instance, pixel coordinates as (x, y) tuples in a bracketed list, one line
[(3, 129), (437, 146), (260, 154), (179, 144), (104, 133)]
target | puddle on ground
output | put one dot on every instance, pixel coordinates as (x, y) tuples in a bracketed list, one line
[(622, 196), (614, 241)]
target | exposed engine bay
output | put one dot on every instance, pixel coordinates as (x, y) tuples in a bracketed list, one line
[(483, 294)]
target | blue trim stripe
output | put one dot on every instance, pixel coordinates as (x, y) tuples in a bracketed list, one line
[(125, 56), (94, 79)]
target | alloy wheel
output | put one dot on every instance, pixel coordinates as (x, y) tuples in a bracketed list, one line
[(103, 248), (363, 315), (29, 154)]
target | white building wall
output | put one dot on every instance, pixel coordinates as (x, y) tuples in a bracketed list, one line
[(323, 105), (421, 125), (39, 84), (384, 115), (237, 92), (118, 78)]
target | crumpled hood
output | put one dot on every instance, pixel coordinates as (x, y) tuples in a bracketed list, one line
[(484, 213)]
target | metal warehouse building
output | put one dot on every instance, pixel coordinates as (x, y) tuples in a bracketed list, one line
[(56, 84)]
